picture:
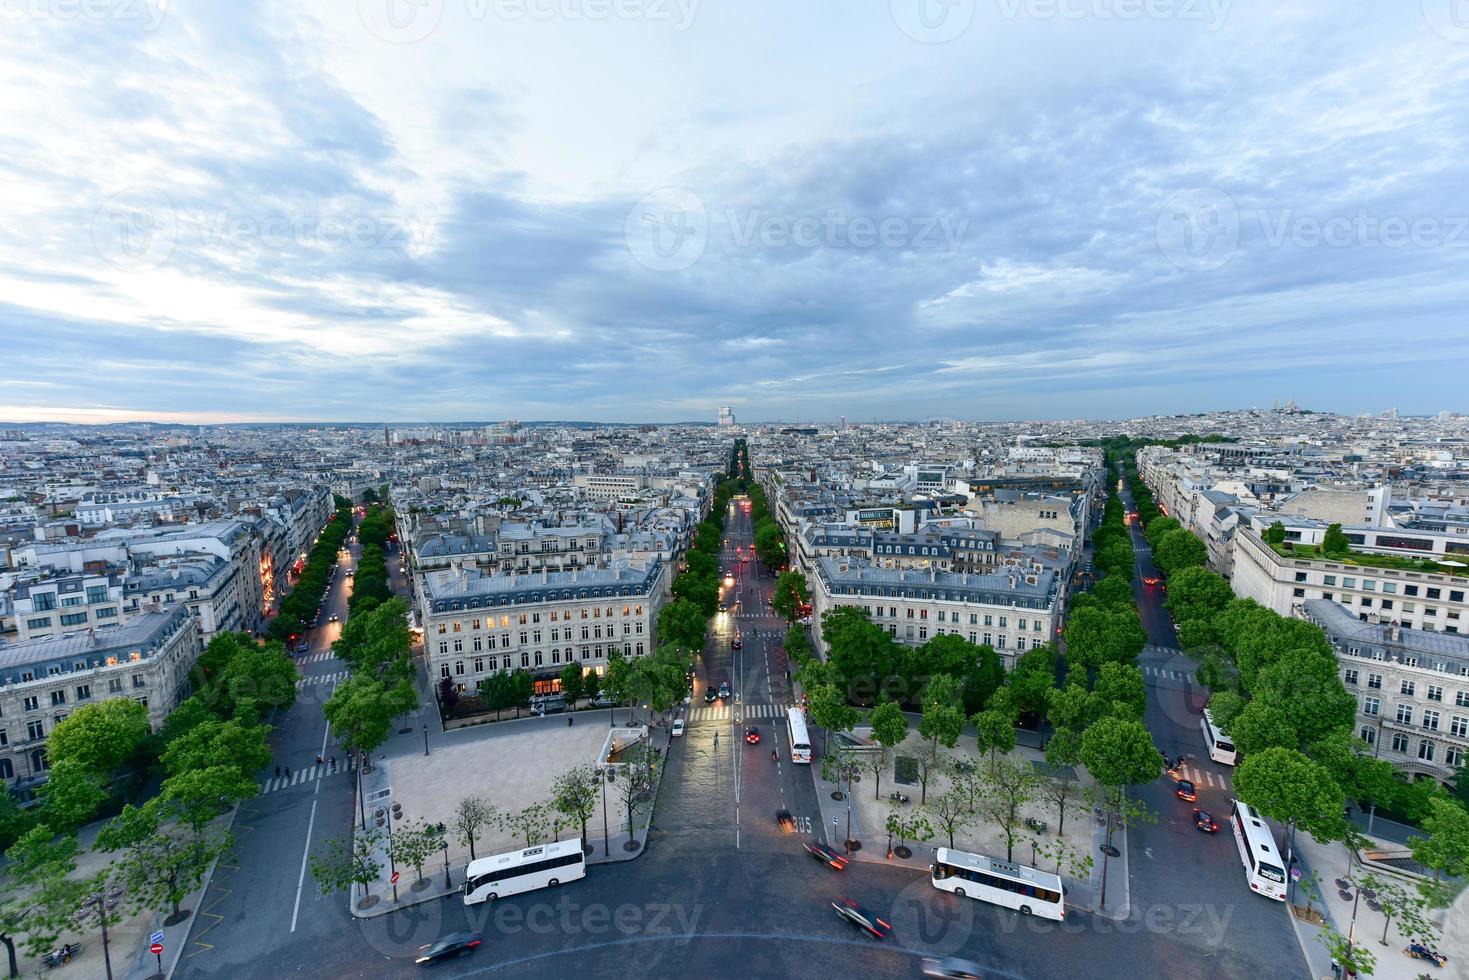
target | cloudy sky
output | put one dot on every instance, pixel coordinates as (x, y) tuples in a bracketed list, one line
[(410, 210)]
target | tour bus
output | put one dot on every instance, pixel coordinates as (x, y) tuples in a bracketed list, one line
[(1005, 883), (1264, 869), (544, 866), (1221, 749), (800, 741)]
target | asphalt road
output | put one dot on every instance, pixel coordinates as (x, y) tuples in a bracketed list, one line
[(1174, 865), (720, 890)]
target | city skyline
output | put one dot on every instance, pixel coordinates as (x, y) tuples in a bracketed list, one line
[(287, 215)]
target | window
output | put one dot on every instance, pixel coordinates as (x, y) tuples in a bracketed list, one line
[(96, 594), (1298, 593), (1399, 742), (1348, 582), (31, 702), (1407, 688), (58, 697), (1300, 576), (1405, 714), (1459, 726), (73, 619), (114, 685), (35, 730), (1368, 734), (443, 670), (1387, 603), (1369, 585), (1433, 592), (1430, 720), (1328, 580), (1425, 750), (1350, 676), (1374, 680), (1410, 590), (1366, 603), (1434, 692), (1454, 757), (1461, 699), (43, 602)]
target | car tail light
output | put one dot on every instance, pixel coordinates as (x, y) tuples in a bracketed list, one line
[(473, 943), (883, 924)]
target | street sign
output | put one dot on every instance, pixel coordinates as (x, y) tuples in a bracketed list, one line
[(157, 937), (156, 949), (393, 880), (1295, 874)]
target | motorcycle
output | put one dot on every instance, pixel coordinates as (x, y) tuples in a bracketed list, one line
[(62, 954), (1418, 951), (896, 797)]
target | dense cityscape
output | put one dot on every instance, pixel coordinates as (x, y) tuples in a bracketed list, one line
[(734, 489), (276, 697)]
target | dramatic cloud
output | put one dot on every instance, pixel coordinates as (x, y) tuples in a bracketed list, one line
[(472, 209)]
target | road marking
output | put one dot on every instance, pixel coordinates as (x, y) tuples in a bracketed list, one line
[(301, 879)]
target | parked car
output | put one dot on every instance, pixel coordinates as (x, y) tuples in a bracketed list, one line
[(603, 701)]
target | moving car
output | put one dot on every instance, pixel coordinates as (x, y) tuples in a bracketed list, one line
[(1150, 580), (709, 695), (752, 735), (1203, 821), (450, 946), (677, 729), (745, 559), (736, 643), (724, 690), (786, 821), (950, 968), (333, 618), (723, 606), (862, 918), (825, 855), (1184, 790)]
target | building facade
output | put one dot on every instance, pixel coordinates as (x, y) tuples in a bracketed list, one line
[(1412, 689), (476, 624), (67, 604), (147, 659)]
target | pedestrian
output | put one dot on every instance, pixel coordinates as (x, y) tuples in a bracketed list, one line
[(277, 772), (333, 760), (288, 772), (318, 758), (569, 721)]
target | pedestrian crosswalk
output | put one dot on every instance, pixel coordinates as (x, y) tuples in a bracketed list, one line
[(299, 778), (316, 658), (335, 676), (1172, 675), (727, 712), (1202, 777)]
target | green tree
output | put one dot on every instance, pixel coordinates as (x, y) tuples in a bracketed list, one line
[(939, 725), (361, 712), (1275, 533), (889, 729), (1400, 902), (159, 865), (471, 815), (530, 822), (339, 864), (71, 796), (1335, 542), (1010, 785), (199, 796), (1261, 725), (574, 793), (1445, 849), (1119, 753), (100, 737), (789, 593), (1157, 528), (994, 732), (1287, 787), (411, 845), (1195, 593), (1033, 678), (1179, 549), (571, 683), (951, 810), (683, 623), (36, 895), (219, 743), (1121, 690)]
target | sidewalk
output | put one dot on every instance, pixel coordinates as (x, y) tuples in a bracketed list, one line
[(1328, 862)]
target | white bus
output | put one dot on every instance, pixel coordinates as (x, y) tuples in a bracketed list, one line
[(1221, 749), (800, 741), (544, 866), (1264, 869), (1013, 886)]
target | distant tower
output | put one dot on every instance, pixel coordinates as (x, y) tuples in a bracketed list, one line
[(386, 440), (726, 417)]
